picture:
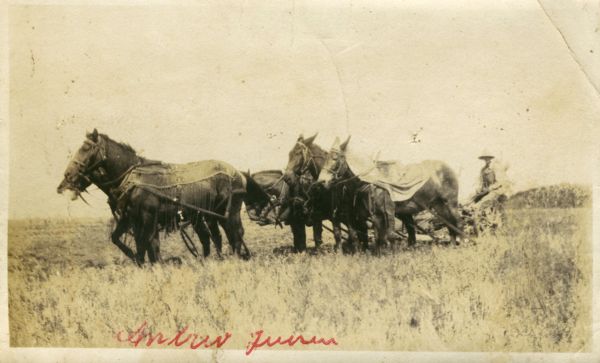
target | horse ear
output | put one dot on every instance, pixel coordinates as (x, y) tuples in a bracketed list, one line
[(310, 139), (345, 144), (93, 136)]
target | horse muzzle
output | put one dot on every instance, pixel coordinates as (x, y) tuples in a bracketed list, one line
[(62, 186), (323, 184), (289, 177), (65, 185)]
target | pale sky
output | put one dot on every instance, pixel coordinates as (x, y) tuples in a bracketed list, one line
[(239, 83)]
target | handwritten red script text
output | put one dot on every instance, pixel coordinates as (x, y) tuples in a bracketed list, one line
[(195, 341), (144, 338), (292, 340)]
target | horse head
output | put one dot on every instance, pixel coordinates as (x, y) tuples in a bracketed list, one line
[(99, 161), (90, 156), (301, 158), (335, 167)]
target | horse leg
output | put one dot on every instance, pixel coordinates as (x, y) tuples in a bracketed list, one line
[(299, 233), (142, 236), (383, 220), (234, 228), (337, 234), (120, 229), (380, 230), (387, 208), (318, 232), (154, 251), (239, 233), (450, 219), (362, 233), (215, 233), (409, 223), (141, 247), (228, 235), (204, 235), (153, 239), (352, 238)]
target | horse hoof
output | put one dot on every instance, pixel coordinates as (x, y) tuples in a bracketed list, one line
[(174, 260)]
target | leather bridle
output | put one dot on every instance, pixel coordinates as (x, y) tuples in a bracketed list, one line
[(308, 161), (86, 170), (339, 169)]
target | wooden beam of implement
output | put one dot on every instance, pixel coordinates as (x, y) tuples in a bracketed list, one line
[(450, 225), (331, 230), (344, 230)]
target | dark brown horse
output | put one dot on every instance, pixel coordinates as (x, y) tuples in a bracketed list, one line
[(305, 162), (141, 202), (438, 194)]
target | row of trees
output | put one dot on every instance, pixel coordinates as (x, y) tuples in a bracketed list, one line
[(554, 196)]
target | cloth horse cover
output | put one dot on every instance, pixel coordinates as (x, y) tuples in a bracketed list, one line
[(192, 183), (401, 181)]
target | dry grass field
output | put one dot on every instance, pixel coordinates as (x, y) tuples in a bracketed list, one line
[(526, 289)]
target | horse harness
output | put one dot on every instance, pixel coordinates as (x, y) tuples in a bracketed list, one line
[(120, 188), (308, 161)]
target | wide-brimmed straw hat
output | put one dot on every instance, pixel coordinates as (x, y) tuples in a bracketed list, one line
[(486, 155)]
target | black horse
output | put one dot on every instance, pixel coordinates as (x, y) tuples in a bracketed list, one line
[(438, 194), (267, 210), (291, 205), (143, 200)]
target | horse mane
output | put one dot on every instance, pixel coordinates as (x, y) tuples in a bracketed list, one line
[(318, 151), (122, 145)]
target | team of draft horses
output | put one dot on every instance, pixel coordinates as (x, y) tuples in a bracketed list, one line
[(147, 197)]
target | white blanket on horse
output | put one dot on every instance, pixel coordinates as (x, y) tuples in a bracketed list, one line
[(401, 181)]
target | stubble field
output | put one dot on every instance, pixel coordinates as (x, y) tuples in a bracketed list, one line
[(526, 289)]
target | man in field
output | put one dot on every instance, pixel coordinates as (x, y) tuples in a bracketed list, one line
[(487, 205), (487, 178)]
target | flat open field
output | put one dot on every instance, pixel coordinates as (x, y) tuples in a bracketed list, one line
[(526, 289)]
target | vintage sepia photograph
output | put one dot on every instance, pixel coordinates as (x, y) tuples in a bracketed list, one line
[(300, 181)]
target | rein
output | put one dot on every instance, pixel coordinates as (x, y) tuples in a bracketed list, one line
[(118, 179)]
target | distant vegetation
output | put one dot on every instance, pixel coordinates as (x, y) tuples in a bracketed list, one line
[(553, 196)]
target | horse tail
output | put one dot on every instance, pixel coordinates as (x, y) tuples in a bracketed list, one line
[(449, 185)]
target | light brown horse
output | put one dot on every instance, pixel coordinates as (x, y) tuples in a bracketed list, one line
[(439, 194)]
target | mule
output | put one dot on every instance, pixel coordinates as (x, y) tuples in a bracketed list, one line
[(357, 201), (305, 161), (145, 209), (439, 194)]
